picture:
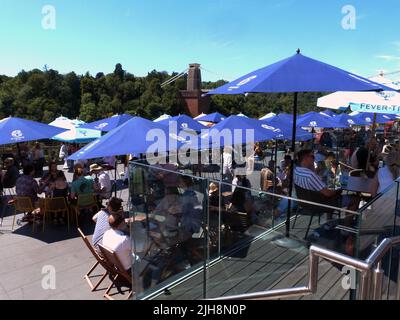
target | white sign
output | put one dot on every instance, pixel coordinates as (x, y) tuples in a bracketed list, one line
[(375, 108), (17, 135), (101, 125), (241, 83)]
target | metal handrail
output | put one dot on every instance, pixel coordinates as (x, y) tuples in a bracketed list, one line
[(366, 267)]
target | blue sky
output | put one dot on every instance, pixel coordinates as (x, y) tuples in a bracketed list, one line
[(228, 37)]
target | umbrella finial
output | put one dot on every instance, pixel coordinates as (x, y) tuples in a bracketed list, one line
[(298, 51)]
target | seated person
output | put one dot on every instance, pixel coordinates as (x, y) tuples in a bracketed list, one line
[(241, 200), (213, 195), (192, 213), (285, 162), (326, 139), (101, 220), (170, 211), (82, 185), (27, 186), (389, 173), (10, 176), (116, 240), (306, 178), (60, 187), (102, 181), (267, 180), (258, 152), (387, 147), (49, 178), (77, 166), (362, 158)]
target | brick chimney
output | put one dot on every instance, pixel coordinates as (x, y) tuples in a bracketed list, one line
[(192, 99)]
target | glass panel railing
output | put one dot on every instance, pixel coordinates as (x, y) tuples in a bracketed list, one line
[(201, 237), (379, 220), (170, 213), (250, 258)]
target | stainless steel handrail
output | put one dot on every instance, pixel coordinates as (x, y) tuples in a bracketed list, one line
[(369, 268)]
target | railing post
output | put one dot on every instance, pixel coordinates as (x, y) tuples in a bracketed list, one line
[(378, 282), (398, 281), (313, 273), (365, 277)]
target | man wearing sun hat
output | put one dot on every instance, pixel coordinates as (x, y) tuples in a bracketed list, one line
[(102, 181)]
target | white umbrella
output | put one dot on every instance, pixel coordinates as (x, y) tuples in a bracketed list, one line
[(268, 116), (374, 102), (74, 134), (242, 115), (162, 117)]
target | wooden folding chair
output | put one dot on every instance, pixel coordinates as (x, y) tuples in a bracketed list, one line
[(99, 261), (55, 205), (85, 201), (113, 261)]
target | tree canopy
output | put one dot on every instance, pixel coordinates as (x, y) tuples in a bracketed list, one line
[(45, 95)]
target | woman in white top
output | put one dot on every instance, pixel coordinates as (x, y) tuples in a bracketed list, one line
[(390, 172)]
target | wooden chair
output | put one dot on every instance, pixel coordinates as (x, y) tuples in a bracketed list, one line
[(310, 209), (85, 201), (22, 205), (235, 224), (99, 261), (55, 205), (113, 261)]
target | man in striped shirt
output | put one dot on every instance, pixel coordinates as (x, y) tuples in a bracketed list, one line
[(101, 220), (306, 178)]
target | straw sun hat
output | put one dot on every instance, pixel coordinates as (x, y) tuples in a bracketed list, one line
[(95, 167)]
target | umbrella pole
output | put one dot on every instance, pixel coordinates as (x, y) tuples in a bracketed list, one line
[(19, 155), (276, 163), (292, 164), (115, 179), (274, 176), (372, 136)]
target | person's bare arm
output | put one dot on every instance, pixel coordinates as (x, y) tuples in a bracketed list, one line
[(328, 193)]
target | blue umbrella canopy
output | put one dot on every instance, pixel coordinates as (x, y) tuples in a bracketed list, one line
[(317, 120), (369, 118), (329, 113), (299, 73), (282, 123), (285, 116), (183, 122), (215, 117), (107, 124), (350, 121), (133, 137), (238, 130), (295, 74), (14, 130)]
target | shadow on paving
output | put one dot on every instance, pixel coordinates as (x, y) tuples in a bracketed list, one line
[(56, 232)]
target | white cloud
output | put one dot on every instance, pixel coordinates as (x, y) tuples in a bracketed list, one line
[(389, 57)]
